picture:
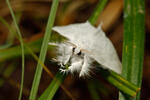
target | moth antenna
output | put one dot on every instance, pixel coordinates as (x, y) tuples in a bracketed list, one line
[(67, 42), (54, 44), (86, 51), (54, 60)]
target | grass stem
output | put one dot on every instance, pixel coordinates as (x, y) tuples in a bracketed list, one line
[(133, 44), (22, 46), (43, 51)]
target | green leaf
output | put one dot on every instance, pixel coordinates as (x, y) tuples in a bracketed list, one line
[(49, 93), (16, 50), (12, 31), (119, 82), (99, 8), (43, 51), (92, 89), (133, 44), (22, 46)]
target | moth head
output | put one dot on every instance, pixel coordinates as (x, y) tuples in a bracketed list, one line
[(68, 56)]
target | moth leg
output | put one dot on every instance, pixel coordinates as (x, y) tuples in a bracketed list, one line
[(62, 70), (85, 67), (76, 66)]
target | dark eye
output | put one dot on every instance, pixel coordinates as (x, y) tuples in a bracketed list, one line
[(79, 53), (73, 49)]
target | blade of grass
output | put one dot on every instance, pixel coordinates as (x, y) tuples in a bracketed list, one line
[(15, 51), (119, 82), (9, 41), (99, 8), (133, 46), (43, 51), (22, 46), (53, 87), (92, 90), (12, 31)]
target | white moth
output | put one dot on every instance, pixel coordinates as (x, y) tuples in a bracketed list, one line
[(85, 44)]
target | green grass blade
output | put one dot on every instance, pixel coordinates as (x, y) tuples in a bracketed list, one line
[(13, 52), (119, 82), (9, 41), (92, 90), (99, 8), (43, 51), (133, 46), (12, 31), (22, 46), (49, 93)]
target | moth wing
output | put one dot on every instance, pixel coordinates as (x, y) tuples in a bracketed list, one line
[(102, 50), (94, 40), (75, 31)]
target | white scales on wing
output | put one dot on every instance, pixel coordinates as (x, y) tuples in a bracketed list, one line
[(93, 43)]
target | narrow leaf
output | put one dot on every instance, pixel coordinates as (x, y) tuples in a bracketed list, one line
[(43, 51), (133, 45), (22, 46), (49, 93)]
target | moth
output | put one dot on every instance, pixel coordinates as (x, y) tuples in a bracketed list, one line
[(84, 45)]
